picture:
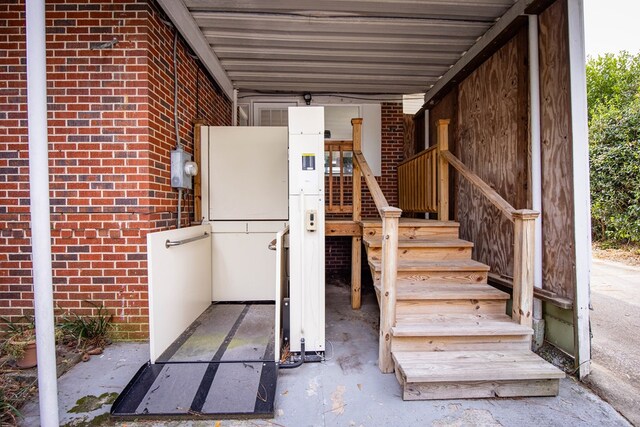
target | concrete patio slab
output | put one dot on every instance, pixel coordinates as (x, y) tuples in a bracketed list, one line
[(345, 390)]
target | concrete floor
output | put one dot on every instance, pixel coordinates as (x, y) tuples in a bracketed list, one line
[(615, 326), (346, 390)]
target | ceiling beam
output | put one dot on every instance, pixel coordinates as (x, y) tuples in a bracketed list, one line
[(182, 19), (494, 33)]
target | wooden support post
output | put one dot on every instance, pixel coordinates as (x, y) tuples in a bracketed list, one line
[(389, 273), (356, 241), (443, 170), (197, 180), (523, 266), (356, 272)]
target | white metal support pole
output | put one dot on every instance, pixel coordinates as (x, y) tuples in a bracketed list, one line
[(581, 193), (234, 113), (536, 157), (536, 171), (40, 217)]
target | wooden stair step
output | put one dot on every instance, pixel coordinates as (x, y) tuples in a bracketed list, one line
[(411, 222), (376, 242), (406, 291), (461, 366), (412, 228), (452, 325), (405, 265)]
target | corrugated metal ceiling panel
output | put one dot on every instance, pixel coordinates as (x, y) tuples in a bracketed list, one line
[(355, 46)]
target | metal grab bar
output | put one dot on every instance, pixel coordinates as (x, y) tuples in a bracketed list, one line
[(171, 243)]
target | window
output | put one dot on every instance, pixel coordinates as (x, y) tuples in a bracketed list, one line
[(347, 163), (337, 119)]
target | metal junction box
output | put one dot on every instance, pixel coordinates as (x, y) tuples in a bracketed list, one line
[(180, 177)]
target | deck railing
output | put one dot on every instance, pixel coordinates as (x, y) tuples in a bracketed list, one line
[(336, 202), (417, 182), (523, 219)]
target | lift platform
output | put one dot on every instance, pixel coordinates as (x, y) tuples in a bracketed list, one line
[(222, 365)]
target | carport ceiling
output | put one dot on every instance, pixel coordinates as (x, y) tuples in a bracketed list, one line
[(334, 46)]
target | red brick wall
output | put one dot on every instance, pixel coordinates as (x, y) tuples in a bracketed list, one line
[(338, 249), (110, 133)]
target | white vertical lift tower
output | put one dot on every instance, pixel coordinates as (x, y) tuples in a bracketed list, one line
[(306, 222)]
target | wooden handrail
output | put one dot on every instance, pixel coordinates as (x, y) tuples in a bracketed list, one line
[(370, 180), (491, 194), (390, 225), (523, 219)]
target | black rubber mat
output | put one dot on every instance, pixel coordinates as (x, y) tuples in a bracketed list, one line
[(221, 366)]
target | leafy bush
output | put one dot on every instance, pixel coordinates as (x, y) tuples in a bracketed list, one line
[(614, 147), (612, 80), (87, 331)]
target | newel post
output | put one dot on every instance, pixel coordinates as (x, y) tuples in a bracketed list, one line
[(443, 170), (356, 241), (388, 276), (523, 266)]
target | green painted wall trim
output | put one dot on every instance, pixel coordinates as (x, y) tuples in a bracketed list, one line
[(558, 327)]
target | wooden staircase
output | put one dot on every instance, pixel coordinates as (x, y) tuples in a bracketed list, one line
[(450, 336)]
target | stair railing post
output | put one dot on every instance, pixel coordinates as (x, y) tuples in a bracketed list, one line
[(523, 266), (388, 276), (443, 170), (356, 241)]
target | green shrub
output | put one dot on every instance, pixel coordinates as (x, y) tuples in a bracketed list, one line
[(614, 147)]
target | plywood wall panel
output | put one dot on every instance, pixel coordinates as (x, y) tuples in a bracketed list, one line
[(557, 184), (492, 140), (409, 146), (447, 109)]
